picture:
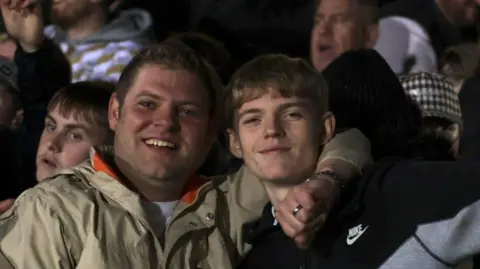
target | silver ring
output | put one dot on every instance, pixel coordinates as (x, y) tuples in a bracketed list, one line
[(296, 210)]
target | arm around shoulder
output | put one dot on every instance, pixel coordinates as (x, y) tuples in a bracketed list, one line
[(346, 154)]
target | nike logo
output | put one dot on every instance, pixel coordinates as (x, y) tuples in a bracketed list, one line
[(355, 233)]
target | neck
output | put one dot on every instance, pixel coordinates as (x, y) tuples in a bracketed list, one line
[(277, 192), (87, 26), (151, 189)]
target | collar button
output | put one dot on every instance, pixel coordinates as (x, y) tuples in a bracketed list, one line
[(210, 216)]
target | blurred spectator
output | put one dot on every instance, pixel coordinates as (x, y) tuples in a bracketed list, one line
[(211, 50), (366, 94), (11, 109), (77, 120), (98, 43), (414, 34), (440, 106), (340, 26), (470, 104), (460, 62), (11, 117), (11, 179), (42, 69), (250, 27), (7, 47)]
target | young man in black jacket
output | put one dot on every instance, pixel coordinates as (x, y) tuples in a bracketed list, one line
[(403, 214)]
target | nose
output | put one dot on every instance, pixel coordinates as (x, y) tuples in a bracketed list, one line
[(55, 142), (166, 117), (323, 27), (273, 128)]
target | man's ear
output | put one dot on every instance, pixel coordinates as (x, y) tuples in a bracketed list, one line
[(372, 32), (17, 119), (328, 127), (234, 144), (113, 111)]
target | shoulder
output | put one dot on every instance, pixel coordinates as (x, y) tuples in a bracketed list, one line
[(62, 195), (124, 47), (242, 191), (426, 187)]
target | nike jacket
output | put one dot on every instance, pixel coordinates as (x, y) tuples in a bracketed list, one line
[(402, 214)]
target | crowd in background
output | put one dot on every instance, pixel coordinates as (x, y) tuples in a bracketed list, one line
[(405, 73)]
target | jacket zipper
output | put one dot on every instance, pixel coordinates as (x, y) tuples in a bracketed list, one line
[(174, 218)]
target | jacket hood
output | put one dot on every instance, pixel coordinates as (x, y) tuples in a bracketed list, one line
[(133, 24)]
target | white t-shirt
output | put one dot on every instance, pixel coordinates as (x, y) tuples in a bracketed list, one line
[(159, 215), (403, 40)]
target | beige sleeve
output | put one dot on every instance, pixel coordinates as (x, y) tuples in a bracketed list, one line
[(31, 235), (350, 146)]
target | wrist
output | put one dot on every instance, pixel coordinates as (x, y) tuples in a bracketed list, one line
[(32, 47), (337, 186), (332, 177)]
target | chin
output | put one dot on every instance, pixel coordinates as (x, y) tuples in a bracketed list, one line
[(280, 175), (42, 175)]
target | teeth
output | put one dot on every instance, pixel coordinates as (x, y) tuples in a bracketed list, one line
[(159, 143)]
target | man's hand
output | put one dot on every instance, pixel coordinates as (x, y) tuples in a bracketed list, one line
[(24, 22), (313, 200), (5, 205)]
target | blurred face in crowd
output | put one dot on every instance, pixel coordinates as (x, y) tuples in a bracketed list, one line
[(340, 26), (444, 129), (280, 138), (163, 126), (9, 116), (68, 13), (6, 110), (460, 12), (7, 48), (65, 142)]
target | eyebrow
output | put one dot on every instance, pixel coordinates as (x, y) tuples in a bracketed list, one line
[(69, 125), (298, 103), (250, 111), (160, 98)]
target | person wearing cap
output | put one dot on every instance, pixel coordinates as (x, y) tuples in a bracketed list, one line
[(440, 106)]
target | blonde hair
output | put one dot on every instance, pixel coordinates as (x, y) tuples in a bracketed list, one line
[(285, 76)]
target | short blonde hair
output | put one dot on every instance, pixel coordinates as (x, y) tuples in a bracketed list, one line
[(288, 77)]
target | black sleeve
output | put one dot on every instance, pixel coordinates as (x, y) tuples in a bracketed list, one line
[(431, 191), (40, 75), (9, 165), (469, 103)]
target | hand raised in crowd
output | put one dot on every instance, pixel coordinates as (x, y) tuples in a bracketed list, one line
[(5, 205), (24, 22)]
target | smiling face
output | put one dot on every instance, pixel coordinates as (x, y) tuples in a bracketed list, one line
[(65, 142), (163, 128), (280, 138)]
